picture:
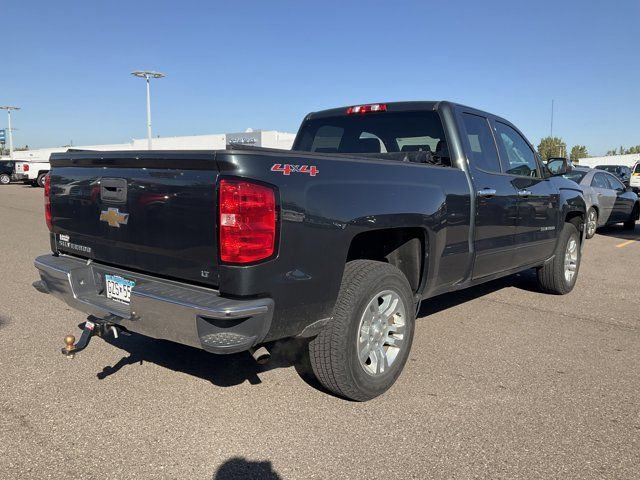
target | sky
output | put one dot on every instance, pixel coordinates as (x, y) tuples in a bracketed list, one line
[(259, 64)]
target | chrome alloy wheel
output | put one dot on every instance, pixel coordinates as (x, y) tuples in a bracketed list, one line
[(381, 332), (571, 259), (591, 223)]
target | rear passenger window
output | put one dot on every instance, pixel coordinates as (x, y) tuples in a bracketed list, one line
[(480, 144), (599, 181)]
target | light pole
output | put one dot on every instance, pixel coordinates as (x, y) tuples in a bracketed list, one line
[(148, 75), (8, 109)]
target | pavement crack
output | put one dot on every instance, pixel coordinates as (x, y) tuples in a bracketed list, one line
[(598, 320)]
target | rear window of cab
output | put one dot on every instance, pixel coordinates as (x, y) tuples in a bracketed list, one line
[(374, 133)]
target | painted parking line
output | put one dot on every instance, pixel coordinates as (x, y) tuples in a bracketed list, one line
[(624, 244)]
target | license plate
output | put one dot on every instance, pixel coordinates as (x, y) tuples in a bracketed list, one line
[(118, 288)]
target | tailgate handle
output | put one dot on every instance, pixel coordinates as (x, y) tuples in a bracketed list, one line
[(113, 190)]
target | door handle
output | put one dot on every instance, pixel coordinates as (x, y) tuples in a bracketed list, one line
[(524, 193), (487, 192)]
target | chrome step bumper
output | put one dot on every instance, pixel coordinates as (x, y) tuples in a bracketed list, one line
[(159, 308)]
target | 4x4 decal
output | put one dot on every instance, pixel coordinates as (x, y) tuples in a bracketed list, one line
[(288, 169)]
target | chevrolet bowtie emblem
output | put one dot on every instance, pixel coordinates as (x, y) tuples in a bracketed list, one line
[(113, 217)]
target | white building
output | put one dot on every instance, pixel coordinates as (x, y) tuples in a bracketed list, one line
[(627, 160), (258, 138)]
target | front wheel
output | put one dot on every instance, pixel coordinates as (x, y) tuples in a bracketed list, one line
[(5, 179), (559, 275), (592, 222), (362, 350)]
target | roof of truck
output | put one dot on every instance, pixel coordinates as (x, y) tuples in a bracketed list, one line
[(390, 107), (409, 106)]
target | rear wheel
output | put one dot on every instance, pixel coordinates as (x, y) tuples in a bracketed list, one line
[(631, 223), (361, 352), (40, 180), (592, 222), (560, 274), (5, 179)]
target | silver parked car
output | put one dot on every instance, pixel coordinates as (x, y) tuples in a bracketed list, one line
[(608, 200)]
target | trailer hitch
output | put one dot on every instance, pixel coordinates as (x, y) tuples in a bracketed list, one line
[(90, 329)]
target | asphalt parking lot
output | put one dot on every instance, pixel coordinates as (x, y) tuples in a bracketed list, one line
[(502, 382)]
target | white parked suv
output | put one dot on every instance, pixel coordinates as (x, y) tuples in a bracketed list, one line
[(32, 172), (634, 181)]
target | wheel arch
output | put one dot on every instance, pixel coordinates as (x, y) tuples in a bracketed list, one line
[(574, 210), (407, 248), (578, 219)]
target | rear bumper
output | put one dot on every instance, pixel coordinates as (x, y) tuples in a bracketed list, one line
[(21, 177), (159, 308)]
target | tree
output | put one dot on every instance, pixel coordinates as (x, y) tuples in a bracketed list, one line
[(624, 151), (552, 147), (634, 149), (578, 152)]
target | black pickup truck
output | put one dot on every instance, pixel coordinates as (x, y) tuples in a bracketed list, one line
[(375, 209)]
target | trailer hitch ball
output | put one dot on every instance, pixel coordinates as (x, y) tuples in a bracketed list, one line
[(69, 340)]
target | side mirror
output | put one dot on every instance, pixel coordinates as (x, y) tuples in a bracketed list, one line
[(559, 166), (629, 189)]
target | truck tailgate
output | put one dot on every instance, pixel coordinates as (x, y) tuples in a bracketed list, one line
[(154, 212)]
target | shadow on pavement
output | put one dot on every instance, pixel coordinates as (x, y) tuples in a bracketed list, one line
[(240, 468), (235, 369), (617, 231), (526, 280), (221, 370)]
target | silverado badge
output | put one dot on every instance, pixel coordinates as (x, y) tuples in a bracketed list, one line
[(113, 217)]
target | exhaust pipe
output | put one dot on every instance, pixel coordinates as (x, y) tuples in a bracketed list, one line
[(40, 286), (261, 355)]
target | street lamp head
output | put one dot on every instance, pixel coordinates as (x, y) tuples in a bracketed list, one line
[(147, 74), (7, 107)]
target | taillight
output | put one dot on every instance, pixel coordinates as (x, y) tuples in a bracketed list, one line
[(25, 167), (47, 201), (375, 107), (247, 221)]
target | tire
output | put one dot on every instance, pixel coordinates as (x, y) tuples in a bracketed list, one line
[(334, 353), (631, 223), (592, 222), (5, 179), (553, 277), (40, 180), (33, 183)]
